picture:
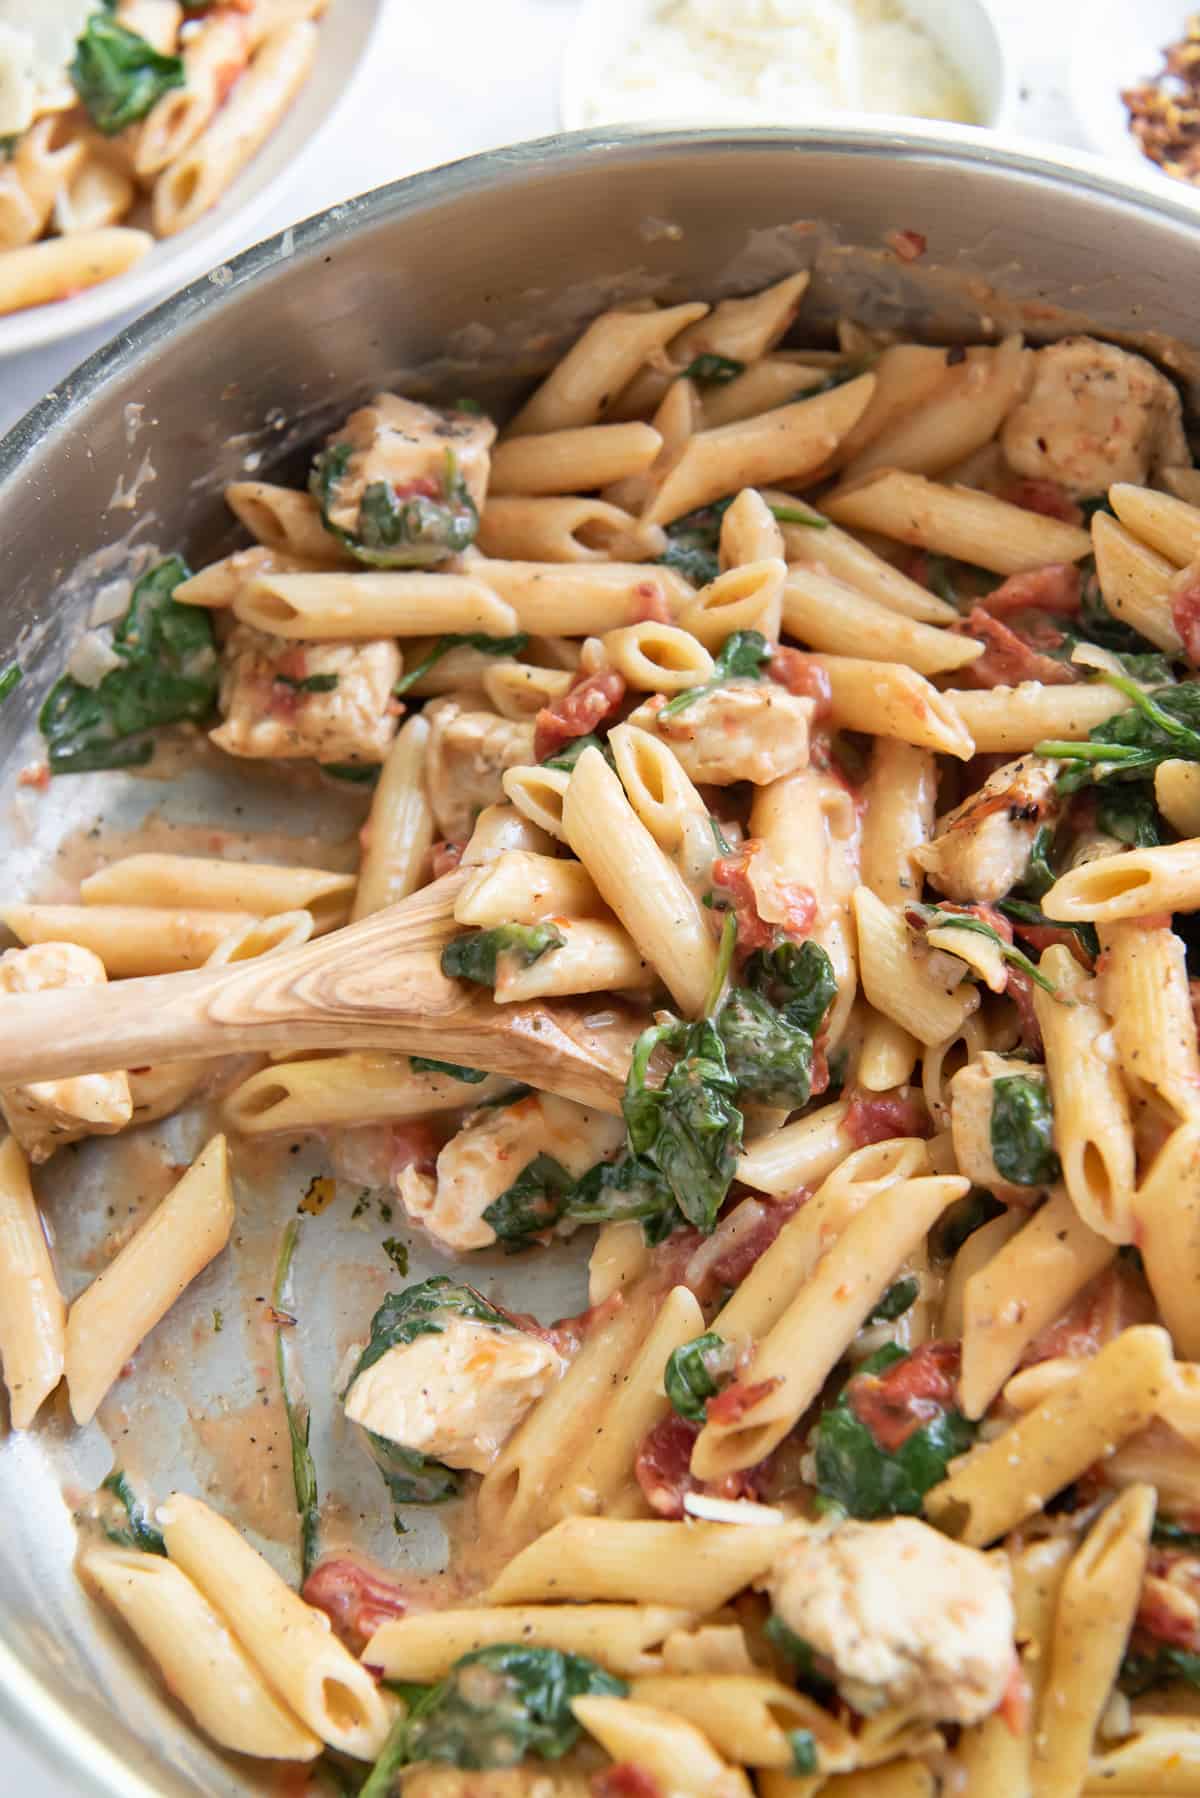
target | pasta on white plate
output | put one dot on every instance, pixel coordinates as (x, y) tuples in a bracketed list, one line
[(120, 123), (871, 1461)]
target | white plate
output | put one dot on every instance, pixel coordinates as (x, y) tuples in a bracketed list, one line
[(964, 29), (346, 32), (1119, 44)]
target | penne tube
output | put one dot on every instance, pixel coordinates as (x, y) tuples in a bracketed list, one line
[(658, 658), (32, 1313), (1097, 1603), (217, 53), (886, 699), (522, 528), (582, 599), (800, 1154), (888, 1055), (1177, 795), (821, 546), (958, 417), (355, 606), (901, 800), (741, 329), (676, 420), (1001, 1482), (196, 179), (1030, 1280), (637, 1402), (791, 1363), (204, 1667), (517, 690), (974, 1255), (362, 1087), (826, 614), (1138, 883), (518, 887), (746, 598), (281, 519), (624, 1639), (1008, 720), (1135, 582), (584, 384), (204, 884), (290, 1643), (785, 444), (500, 827), (218, 585), (398, 834), (749, 532), (662, 795), (772, 381), (1160, 1755), (155, 21), (39, 273), (955, 521), (20, 219), (897, 983), (1144, 990), (1093, 1127), (596, 956), (539, 794), (700, 1565), (129, 939), (748, 1717), (112, 1317), (96, 195), (573, 461), (634, 877), (907, 376), (1169, 525), (668, 1750), (1166, 1210)]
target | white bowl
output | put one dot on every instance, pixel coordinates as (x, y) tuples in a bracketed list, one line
[(963, 29), (346, 32), (1119, 44)]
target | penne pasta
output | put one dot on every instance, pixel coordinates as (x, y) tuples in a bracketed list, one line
[(32, 1313), (955, 521)]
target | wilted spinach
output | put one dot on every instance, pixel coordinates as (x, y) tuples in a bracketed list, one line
[(475, 955), (1160, 726), (713, 371), (690, 1378), (534, 1202), (488, 646), (689, 1129), (397, 530), (769, 1057), (304, 1472), (898, 1299), (425, 1064), (1127, 811), (1022, 1131), (854, 1472), (118, 75), (141, 1533), (742, 657), (797, 979), (423, 1310), (411, 1477)]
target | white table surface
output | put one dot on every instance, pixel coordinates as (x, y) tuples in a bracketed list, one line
[(446, 81)]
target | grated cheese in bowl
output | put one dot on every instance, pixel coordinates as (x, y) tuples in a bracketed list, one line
[(775, 61)]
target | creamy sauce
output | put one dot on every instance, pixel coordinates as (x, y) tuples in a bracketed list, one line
[(771, 61)]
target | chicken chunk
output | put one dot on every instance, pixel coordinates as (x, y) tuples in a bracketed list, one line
[(331, 701), (981, 849), (905, 1616), (490, 1151), (49, 1113), (972, 1098), (741, 730), (1095, 414), (466, 756), (457, 1394)]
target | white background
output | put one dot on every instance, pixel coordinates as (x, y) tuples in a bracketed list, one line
[(446, 80)]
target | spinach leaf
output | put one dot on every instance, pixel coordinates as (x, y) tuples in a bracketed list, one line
[(10, 678), (768, 1055), (566, 757), (357, 774), (411, 1477), (501, 1704), (1095, 502), (853, 1471), (424, 1064), (713, 371), (304, 1473), (693, 542), (423, 1310), (1160, 726), (1039, 872), (474, 956), (804, 1750), (118, 75), (962, 1219), (1127, 811), (309, 683), (488, 646), (898, 1299), (141, 1532), (1175, 1535), (169, 673), (798, 514), (533, 1203), (929, 917), (742, 657), (626, 1189), (1022, 1131), (1023, 913), (394, 530), (690, 1377), (689, 1128), (796, 978), (1141, 1671)]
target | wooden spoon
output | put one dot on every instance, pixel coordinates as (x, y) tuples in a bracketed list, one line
[(377, 984)]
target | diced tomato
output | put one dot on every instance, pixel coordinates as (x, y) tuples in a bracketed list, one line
[(1185, 616), (1156, 1615), (718, 1263), (1107, 1305), (588, 704), (662, 1467), (1008, 659), (444, 857), (356, 1600), (897, 1403), (650, 604), (625, 1780), (1045, 497), (804, 676), (421, 487), (1046, 936), (1056, 587), (908, 245), (732, 1405), (567, 1333), (413, 1144), (876, 1117), (799, 903), (35, 774)]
